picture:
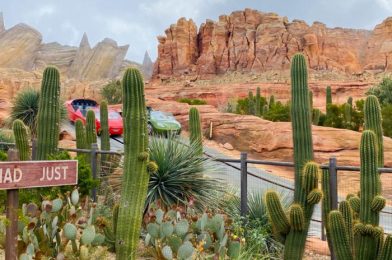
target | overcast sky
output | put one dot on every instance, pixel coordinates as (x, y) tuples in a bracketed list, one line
[(137, 23)]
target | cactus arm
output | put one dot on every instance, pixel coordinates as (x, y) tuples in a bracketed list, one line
[(386, 251), (276, 213), (21, 139), (347, 213), (48, 118), (339, 236), (135, 177)]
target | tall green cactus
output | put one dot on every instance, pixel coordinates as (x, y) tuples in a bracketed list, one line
[(328, 96), (48, 118), (340, 238), (316, 116), (271, 102), (105, 136), (251, 103), (350, 101), (135, 176), (347, 113), (21, 140), (195, 136), (80, 132), (311, 99), (367, 238), (306, 193), (91, 131), (326, 204), (373, 121), (258, 102)]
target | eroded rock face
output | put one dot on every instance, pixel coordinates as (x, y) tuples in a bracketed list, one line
[(21, 47), (254, 41)]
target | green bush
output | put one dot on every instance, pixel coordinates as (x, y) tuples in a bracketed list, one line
[(387, 119), (112, 92), (192, 101), (382, 91), (278, 112), (6, 136), (242, 106)]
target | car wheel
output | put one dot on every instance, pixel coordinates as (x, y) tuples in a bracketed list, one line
[(150, 130)]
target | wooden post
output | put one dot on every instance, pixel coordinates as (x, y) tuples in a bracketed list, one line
[(93, 157), (11, 244), (244, 184)]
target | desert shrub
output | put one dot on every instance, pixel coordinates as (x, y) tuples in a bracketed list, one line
[(278, 112), (336, 117), (192, 101), (112, 92), (242, 106), (382, 91), (6, 136), (387, 120), (25, 108)]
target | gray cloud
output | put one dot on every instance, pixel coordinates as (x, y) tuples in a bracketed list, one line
[(137, 23)]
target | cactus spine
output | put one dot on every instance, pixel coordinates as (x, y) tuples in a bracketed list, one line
[(105, 138), (48, 118), (21, 139), (258, 102), (373, 121), (195, 136), (91, 132), (135, 177), (80, 132), (306, 192)]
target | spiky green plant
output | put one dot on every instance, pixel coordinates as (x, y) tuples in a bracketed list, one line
[(80, 132), (105, 137), (48, 118), (258, 103), (251, 103), (195, 135), (91, 131), (373, 121), (135, 176), (271, 102), (368, 236), (21, 140), (306, 193)]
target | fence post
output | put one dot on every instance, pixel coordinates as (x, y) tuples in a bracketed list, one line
[(12, 216), (333, 184), (244, 184), (93, 158)]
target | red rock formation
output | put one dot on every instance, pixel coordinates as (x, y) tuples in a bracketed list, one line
[(251, 40)]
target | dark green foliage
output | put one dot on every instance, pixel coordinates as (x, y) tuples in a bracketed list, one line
[(242, 106), (91, 131), (338, 117), (135, 176), (181, 176), (265, 110), (271, 101), (350, 101), (387, 120), (195, 136), (6, 136), (3, 156), (112, 92), (192, 101), (316, 116), (258, 103), (48, 118), (382, 91), (278, 112), (21, 140), (105, 137), (373, 122)]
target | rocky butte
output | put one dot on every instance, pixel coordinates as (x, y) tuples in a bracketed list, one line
[(254, 41)]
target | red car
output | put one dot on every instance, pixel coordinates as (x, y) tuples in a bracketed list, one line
[(77, 109)]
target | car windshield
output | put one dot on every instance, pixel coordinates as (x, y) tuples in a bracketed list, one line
[(158, 115), (113, 115)]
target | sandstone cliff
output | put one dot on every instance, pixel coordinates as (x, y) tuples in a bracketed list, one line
[(21, 47), (251, 40)]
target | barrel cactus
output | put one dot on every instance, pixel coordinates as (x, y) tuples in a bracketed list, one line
[(195, 135), (293, 229), (21, 140), (48, 118), (135, 176)]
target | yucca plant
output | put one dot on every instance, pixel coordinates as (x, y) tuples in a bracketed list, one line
[(25, 108)]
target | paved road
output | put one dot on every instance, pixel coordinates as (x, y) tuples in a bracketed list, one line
[(230, 174)]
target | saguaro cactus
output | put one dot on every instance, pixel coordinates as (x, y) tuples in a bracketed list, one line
[(91, 131), (373, 121), (311, 99), (195, 136), (347, 113), (306, 193), (258, 102), (80, 132), (48, 118), (105, 138), (367, 234), (135, 176), (21, 139)]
